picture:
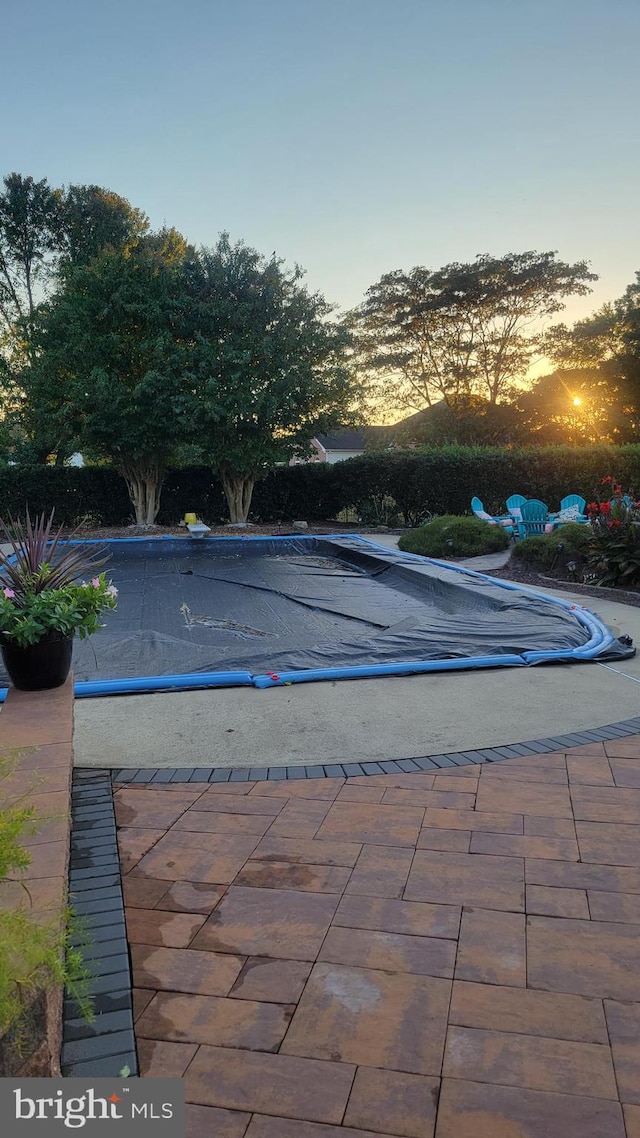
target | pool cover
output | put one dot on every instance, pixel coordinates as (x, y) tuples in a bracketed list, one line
[(277, 610)]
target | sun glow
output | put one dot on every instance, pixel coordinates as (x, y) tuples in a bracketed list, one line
[(577, 402)]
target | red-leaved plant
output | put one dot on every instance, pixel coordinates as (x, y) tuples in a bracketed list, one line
[(40, 594), (37, 561), (615, 521)]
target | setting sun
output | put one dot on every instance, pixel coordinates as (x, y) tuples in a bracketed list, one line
[(577, 401)]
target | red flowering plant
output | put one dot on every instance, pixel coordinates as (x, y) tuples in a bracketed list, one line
[(40, 594), (615, 552)]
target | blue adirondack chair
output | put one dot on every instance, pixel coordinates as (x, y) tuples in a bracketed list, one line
[(514, 506), (535, 518), (625, 499), (571, 510), (573, 500), (480, 512)]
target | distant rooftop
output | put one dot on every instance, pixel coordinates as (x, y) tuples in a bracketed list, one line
[(342, 440)]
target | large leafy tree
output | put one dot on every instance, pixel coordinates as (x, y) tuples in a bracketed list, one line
[(470, 421), (28, 224), (463, 331), (43, 232), (606, 349), (92, 219), (571, 405), (270, 366), (109, 368)]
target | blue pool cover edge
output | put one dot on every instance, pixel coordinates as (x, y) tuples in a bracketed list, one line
[(600, 637)]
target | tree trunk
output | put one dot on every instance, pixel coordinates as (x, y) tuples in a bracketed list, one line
[(238, 490), (144, 478)]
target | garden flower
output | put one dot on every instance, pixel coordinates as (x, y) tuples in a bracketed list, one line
[(95, 582), (8, 592), (605, 507)]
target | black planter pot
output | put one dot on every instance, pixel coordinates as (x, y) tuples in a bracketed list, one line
[(38, 666)]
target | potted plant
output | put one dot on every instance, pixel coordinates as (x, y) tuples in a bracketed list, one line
[(43, 604)]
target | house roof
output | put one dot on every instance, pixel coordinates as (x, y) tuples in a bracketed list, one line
[(342, 440)]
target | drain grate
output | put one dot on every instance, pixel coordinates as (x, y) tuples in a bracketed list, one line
[(107, 1045)]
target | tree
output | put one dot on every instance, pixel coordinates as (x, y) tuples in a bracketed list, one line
[(43, 232), (269, 365), (28, 226), (606, 347), (92, 219), (469, 421), (569, 406), (109, 369), (463, 331)]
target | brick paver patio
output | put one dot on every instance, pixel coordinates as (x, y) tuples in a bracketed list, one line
[(427, 956)]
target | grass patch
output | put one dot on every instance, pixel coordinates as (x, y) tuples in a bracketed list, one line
[(452, 536)]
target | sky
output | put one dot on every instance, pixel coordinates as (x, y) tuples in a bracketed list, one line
[(353, 137)]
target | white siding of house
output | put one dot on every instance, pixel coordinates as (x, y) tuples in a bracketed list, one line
[(339, 455)]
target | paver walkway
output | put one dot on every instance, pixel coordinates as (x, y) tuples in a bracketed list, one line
[(454, 955)]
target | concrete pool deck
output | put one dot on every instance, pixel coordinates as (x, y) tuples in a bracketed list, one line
[(363, 720)]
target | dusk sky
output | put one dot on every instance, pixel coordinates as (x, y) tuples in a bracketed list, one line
[(352, 136)]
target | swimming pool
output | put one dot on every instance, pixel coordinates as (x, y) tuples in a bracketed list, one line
[(279, 610)]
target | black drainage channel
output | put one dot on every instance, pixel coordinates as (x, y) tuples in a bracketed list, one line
[(390, 766), (107, 1045)]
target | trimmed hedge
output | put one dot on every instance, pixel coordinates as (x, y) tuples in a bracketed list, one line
[(570, 541), (313, 492), (444, 480), (97, 496), (93, 495), (410, 484), (455, 537)]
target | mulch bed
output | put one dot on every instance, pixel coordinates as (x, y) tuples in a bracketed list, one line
[(533, 579), (315, 528)]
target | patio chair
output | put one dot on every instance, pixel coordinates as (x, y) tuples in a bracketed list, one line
[(626, 500), (514, 506), (571, 510), (535, 519), (480, 512)]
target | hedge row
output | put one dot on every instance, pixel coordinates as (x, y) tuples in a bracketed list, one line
[(97, 496), (411, 484), (444, 480)]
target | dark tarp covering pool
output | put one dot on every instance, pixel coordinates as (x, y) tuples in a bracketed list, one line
[(268, 606)]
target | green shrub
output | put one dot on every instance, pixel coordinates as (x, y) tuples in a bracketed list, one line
[(34, 956), (565, 543), (455, 537)]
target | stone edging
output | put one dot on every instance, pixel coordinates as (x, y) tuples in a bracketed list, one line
[(390, 766)]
